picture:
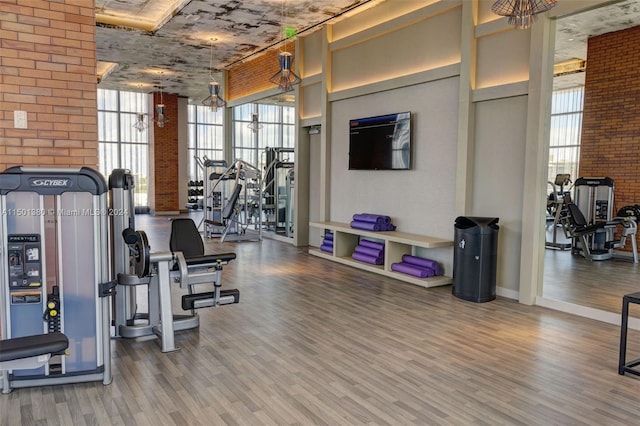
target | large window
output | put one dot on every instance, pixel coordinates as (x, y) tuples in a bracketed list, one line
[(206, 137), (566, 126), (276, 130), (120, 145)]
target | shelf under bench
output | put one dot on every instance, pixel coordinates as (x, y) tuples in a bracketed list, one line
[(396, 245)]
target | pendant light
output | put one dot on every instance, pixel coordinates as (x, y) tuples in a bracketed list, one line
[(521, 13), (285, 78), (161, 119), (214, 100)]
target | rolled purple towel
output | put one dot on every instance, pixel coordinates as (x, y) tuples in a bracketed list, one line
[(369, 251), (389, 227), (409, 269), (328, 243), (367, 226), (372, 244), (368, 259), (327, 248), (372, 218), (422, 262), (328, 236)]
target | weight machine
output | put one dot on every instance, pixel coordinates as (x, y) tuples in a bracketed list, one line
[(243, 206), (135, 266), (557, 210), (55, 280), (185, 264), (278, 191), (591, 222)]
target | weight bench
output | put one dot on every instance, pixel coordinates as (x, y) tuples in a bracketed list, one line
[(21, 353)]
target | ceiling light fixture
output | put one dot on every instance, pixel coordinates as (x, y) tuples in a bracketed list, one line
[(255, 124), (522, 13), (161, 119), (140, 125), (214, 100), (285, 78)]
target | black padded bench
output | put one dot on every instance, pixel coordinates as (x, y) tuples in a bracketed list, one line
[(32, 346), (29, 352)]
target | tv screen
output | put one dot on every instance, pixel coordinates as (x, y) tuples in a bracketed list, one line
[(380, 143)]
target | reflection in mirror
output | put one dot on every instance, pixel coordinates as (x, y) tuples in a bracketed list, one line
[(572, 273), (264, 136)]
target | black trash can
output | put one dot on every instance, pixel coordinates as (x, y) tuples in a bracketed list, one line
[(475, 258)]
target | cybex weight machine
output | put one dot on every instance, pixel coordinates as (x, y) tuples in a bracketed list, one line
[(55, 276)]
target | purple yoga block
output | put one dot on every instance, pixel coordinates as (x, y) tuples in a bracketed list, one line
[(422, 262), (372, 244), (368, 259), (409, 269)]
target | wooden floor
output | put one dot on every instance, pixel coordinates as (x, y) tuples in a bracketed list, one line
[(315, 342), (596, 284)]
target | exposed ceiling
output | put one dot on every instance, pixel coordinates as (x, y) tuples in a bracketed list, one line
[(572, 33), (175, 44)]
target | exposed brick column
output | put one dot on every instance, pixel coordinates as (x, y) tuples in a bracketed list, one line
[(611, 121), (48, 69), (164, 158)]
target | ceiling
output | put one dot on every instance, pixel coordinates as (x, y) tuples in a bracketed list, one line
[(572, 33), (179, 44)]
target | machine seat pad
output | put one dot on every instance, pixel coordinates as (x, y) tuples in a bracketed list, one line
[(589, 229), (210, 258), (31, 346)]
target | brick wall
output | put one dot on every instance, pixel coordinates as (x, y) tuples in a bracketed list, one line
[(165, 157), (611, 123), (253, 75), (48, 69)]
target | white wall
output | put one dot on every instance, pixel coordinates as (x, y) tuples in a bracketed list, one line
[(420, 200), (497, 177), (476, 91)]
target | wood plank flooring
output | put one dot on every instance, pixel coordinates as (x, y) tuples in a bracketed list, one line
[(595, 284), (315, 342)]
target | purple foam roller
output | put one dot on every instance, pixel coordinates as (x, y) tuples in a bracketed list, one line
[(372, 218), (367, 226), (327, 248), (368, 259), (369, 251), (372, 244), (425, 263), (416, 271)]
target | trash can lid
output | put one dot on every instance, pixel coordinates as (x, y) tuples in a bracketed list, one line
[(465, 222)]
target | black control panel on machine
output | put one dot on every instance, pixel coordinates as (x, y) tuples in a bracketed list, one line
[(25, 268)]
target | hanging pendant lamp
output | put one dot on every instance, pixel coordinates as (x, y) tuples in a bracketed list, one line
[(140, 125), (214, 100), (255, 125), (285, 78), (522, 13), (160, 119)]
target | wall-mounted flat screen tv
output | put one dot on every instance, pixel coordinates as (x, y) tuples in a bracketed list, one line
[(380, 143)]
